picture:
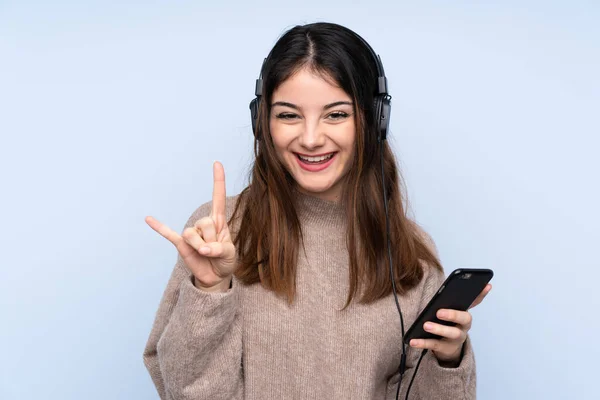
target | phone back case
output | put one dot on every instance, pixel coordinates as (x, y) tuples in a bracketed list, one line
[(458, 292)]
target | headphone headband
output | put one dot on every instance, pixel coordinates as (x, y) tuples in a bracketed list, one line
[(382, 87)]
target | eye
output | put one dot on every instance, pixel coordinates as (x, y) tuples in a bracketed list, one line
[(338, 115), (286, 116)]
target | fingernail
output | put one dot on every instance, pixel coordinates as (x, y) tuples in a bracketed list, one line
[(428, 326), (414, 342), (442, 314)]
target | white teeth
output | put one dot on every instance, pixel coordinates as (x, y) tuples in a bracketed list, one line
[(315, 159)]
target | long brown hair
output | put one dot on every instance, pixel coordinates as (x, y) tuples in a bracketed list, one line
[(269, 233)]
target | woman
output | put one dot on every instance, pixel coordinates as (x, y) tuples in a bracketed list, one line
[(284, 291)]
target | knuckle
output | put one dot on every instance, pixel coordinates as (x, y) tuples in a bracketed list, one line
[(188, 233), (446, 332), (203, 222), (468, 318), (207, 226), (456, 334)]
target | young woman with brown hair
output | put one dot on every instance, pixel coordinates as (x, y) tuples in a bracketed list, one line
[(284, 291)]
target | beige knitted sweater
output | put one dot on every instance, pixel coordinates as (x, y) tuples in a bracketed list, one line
[(249, 344)]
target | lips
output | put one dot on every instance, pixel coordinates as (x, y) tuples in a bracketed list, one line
[(315, 166), (315, 158)]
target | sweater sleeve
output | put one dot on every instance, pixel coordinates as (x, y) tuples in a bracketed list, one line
[(194, 350), (433, 381)]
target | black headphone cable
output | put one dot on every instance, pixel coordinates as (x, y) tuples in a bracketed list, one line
[(414, 374), (402, 367)]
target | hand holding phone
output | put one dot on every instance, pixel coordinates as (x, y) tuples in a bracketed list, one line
[(458, 292)]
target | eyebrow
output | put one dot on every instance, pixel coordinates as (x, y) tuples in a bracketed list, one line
[(327, 106)]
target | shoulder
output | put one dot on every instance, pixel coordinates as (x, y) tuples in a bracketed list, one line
[(433, 276), (205, 209), (425, 238)]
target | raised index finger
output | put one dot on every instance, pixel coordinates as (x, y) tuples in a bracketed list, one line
[(164, 230), (218, 200)]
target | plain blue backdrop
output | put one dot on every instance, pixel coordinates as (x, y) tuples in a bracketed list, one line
[(111, 111)]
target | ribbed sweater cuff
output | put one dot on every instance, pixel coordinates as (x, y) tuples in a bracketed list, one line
[(206, 306), (460, 379)]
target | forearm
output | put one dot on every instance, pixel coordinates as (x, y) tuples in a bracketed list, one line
[(200, 350)]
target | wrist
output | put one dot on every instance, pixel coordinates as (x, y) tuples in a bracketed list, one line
[(448, 363), (452, 361), (222, 286)]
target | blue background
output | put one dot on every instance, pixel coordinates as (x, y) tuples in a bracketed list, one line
[(111, 111)]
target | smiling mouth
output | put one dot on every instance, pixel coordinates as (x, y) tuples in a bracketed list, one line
[(315, 160)]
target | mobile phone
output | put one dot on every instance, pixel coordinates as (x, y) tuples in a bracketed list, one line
[(458, 292)]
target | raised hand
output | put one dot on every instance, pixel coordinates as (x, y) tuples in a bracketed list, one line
[(206, 248)]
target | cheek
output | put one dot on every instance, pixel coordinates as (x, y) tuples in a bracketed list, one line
[(281, 140), (276, 135), (283, 135)]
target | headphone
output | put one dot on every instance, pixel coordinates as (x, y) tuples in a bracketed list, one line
[(382, 104), (382, 107)]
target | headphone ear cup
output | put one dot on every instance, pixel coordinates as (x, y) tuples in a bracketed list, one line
[(385, 110), (377, 114), (382, 108), (376, 108), (254, 104)]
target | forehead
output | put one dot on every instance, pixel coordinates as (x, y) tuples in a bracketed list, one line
[(306, 87)]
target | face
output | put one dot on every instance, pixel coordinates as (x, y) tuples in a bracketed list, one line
[(313, 130)]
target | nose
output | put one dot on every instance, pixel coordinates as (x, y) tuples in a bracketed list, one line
[(312, 135)]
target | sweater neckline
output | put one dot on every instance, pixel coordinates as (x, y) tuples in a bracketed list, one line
[(315, 210)]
